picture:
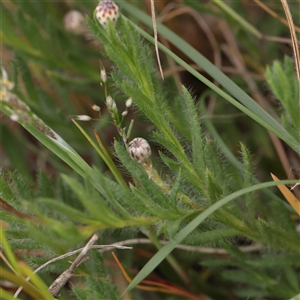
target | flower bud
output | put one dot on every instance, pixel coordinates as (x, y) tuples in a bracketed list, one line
[(96, 107), (111, 104), (83, 118), (124, 113), (139, 150), (107, 10), (128, 102), (14, 117), (109, 101), (103, 75)]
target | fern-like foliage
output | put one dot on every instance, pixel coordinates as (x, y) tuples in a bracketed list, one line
[(180, 204)]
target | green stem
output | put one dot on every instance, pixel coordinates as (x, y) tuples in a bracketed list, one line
[(165, 188), (104, 155)]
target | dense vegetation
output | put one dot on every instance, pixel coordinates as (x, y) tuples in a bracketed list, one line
[(196, 217)]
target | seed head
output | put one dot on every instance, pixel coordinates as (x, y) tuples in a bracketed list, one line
[(107, 10), (139, 150)]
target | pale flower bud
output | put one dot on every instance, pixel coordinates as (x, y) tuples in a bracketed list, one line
[(96, 107), (124, 113), (103, 75), (128, 102), (109, 101), (114, 107), (111, 104), (14, 117), (83, 118), (139, 150), (107, 10)]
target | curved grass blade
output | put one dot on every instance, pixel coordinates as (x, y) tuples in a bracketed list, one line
[(165, 250)]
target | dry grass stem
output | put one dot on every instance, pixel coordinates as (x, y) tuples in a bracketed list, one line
[(205, 250), (60, 282), (105, 247), (155, 37), (274, 14), (288, 195), (294, 38)]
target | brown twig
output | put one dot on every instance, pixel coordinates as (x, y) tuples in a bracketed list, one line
[(273, 14), (246, 249), (60, 282), (106, 247), (277, 39)]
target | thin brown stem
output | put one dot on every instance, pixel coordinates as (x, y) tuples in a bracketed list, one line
[(294, 39), (105, 247), (274, 14)]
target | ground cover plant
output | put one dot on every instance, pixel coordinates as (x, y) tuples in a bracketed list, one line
[(142, 168)]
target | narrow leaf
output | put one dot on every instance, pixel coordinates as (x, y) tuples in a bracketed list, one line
[(288, 195)]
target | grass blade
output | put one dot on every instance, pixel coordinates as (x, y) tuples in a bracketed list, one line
[(165, 250)]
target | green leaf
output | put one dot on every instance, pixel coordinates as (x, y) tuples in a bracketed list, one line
[(5, 192), (96, 207), (196, 132), (211, 236), (7, 296), (248, 180), (285, 86), (68, 211), (188, 172), (214, 190), (8, 252), (46, 186)]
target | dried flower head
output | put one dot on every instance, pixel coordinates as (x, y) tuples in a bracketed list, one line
[(107, 10), (139, 150)]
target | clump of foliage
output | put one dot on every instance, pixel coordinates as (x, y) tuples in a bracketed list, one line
[(195, 194)]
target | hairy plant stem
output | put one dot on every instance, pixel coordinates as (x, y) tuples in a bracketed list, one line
[(153, 174)]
